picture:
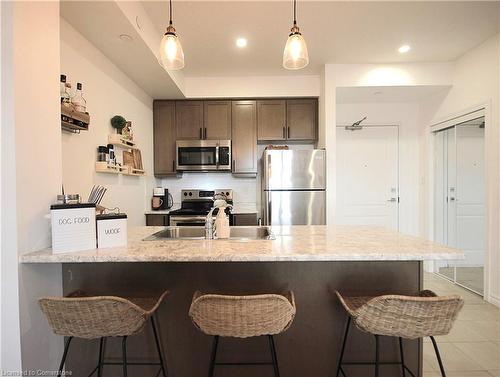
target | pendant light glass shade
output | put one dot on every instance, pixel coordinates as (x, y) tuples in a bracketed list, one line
[(295, 55), (171, 54)]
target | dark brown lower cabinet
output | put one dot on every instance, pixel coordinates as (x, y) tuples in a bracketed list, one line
[(242, 219), (156, 220)]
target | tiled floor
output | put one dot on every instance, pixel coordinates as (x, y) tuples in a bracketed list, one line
[(472, 349), (470, 277)]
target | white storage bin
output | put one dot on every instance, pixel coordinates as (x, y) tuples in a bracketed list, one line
[(111, 230), (73, 227)]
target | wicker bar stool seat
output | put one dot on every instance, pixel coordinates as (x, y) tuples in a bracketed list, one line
[(403, 317), (99, 317), (243, 317)]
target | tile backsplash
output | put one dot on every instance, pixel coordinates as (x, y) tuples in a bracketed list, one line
[(245, 190)]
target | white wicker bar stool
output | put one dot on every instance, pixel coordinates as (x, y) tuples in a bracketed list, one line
[(403, 317), (100, 317), (242, 317)]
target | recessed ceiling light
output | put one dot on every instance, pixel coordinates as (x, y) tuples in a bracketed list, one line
[(125, 38), (241, 42), (404, 49)]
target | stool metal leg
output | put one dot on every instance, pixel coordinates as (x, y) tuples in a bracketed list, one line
[(124, 356), (214, 356), (402, 356), (436, 349), (101, 357), (158, 347), (377, 355), (65, 353), (274, 356), (339, 366)]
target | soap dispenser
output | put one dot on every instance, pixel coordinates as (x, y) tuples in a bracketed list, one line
[(222, 224)]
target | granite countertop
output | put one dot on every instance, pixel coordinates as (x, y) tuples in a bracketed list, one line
[(238, 209), (291, 243)]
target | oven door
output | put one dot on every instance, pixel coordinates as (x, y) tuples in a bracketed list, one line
[(187, 220), (197, 155)]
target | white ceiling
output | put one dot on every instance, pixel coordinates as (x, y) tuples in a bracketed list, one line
[(387, 94), (336, 32)]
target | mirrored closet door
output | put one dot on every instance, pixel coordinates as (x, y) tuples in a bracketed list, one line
[(459, 200)]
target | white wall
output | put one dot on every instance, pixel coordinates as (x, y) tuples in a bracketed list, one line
[(108, 92), (252, 86), (10, 339), (38, 169), (404, 115)]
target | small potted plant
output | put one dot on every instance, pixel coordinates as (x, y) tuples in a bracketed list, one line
[(118, 122)]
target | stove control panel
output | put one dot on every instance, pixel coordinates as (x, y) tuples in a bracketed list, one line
[(187, 195)]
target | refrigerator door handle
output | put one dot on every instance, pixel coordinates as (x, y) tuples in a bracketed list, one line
[(267, 208)]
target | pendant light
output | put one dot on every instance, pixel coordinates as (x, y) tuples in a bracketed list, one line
[(295, 55), (171, 54)]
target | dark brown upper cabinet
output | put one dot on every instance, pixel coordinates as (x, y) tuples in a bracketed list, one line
[(189, 120), (164, 138), (271, 120), (244, 141), (293, 119), (301, 119), (216, 120)]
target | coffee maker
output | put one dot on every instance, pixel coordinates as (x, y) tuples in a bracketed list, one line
[(161, 199)]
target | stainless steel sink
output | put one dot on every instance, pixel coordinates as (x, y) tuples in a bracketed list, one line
[(198, 233)]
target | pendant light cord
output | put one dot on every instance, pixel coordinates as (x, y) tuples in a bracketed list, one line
[(294, 12), (170, 6)]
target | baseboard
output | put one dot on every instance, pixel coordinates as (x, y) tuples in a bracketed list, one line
[(495, 300)]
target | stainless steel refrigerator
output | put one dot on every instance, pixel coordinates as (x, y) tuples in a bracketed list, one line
[(294, 187)]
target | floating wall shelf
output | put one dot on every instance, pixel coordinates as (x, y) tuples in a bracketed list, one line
[(120, 141), (103, 167), (74, 121)]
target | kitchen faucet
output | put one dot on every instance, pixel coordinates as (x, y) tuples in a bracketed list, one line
[(209, 225)]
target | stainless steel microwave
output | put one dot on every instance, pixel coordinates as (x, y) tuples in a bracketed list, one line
[(203, 155)]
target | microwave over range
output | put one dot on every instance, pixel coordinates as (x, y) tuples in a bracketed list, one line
[(203, 155)]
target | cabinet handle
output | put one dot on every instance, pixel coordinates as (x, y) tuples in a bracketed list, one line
[(173, 165), (201, 133), (234, 166), (284, 132), (205, 133), (288, 132)]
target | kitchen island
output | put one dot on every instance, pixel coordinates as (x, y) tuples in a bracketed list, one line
[(313, 261)]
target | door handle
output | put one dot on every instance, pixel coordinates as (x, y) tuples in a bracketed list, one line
[(392, 200)]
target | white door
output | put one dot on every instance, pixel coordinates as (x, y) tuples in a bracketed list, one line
[(367, 176)]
